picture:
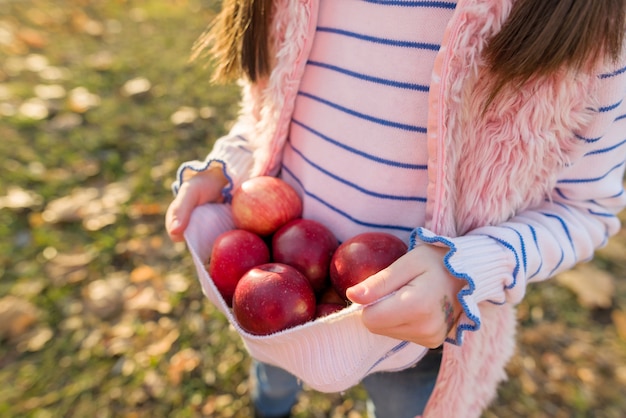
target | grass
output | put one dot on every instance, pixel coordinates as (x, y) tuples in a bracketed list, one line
[(120, 326)]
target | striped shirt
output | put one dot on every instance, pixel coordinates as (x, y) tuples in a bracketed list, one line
[(357, 142)]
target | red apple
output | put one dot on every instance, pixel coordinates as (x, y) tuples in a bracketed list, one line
[(308, 246), (234, 252), (273, 297), (361, 256), (264, 204), (325, 309)]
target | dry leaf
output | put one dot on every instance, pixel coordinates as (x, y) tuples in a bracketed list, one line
[(68, 268), (163, 345), (142, 273), (619, 320), (147, 300), (96, 207), (81, 100), (32, 38), (18, 198), (184, 116), (182, 362), (594, 288), (105, 297), (17, 316), (137, 88), (36, 339)]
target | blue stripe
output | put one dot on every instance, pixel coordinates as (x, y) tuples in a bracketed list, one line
[(355, 186), (342, 213), (620, 117), (613, 74), (559, 192), (382, 41), (359, 152), (601, 214), (388, 354), (533, 232), (590, 180), (432, 4), (510, 247), (384, 122), (608, 149), (522, 249), (610, 107), (589, 140), (377, 80), (564, 226)]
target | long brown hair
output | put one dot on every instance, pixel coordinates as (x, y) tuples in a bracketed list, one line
[(238, 40), (537, 38), (540, 36)]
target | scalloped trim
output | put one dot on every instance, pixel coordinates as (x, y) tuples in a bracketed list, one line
[(199, 167), (463, 293)]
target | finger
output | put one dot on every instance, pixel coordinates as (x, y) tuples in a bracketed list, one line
[(407, 305), (178, 214), (405, 318), (385, 281), (413, 315)]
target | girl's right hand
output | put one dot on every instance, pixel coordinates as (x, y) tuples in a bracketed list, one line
[(204, 187)]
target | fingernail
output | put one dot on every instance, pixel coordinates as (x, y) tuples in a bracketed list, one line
[(357, 290), (175, 225)]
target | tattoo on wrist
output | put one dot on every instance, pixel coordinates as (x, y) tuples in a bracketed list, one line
[(448, 312)]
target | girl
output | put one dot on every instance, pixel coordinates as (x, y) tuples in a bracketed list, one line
[(488, 134)]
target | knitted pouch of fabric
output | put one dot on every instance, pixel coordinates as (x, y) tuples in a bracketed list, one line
[(330, 354)]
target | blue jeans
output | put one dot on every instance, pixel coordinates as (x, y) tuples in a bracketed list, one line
[(392, 394)]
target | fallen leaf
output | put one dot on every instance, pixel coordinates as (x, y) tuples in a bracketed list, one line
[(619, 320), (146, 300), (105, 297), (35, 340), (81, 100), (17, 316), (68, 267), (34, 109), (184, 116), (182, 362), (32, 38), (163, 345), (593, 287), (96, 207), (155, 384), (18, 198), (137, 88), (142, 273)]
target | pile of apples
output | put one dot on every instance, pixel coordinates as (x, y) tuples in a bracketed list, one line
[(277, 270)]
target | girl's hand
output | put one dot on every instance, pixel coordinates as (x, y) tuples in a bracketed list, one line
[(424, 308), (202, 188)]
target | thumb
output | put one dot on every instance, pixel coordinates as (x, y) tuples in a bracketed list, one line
[(382, 283)]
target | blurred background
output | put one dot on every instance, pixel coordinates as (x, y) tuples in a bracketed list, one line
[(102, 316)]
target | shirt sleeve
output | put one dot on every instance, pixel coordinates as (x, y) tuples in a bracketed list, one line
[(234, 152), (231, 153), (579, 217)]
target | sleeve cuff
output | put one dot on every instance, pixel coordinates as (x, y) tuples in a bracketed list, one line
[(230, 154), (487, 266), (190, 168)]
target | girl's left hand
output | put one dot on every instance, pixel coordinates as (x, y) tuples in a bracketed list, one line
[(424, 307)]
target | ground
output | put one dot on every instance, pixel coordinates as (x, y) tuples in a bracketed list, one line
[(101, 315)]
